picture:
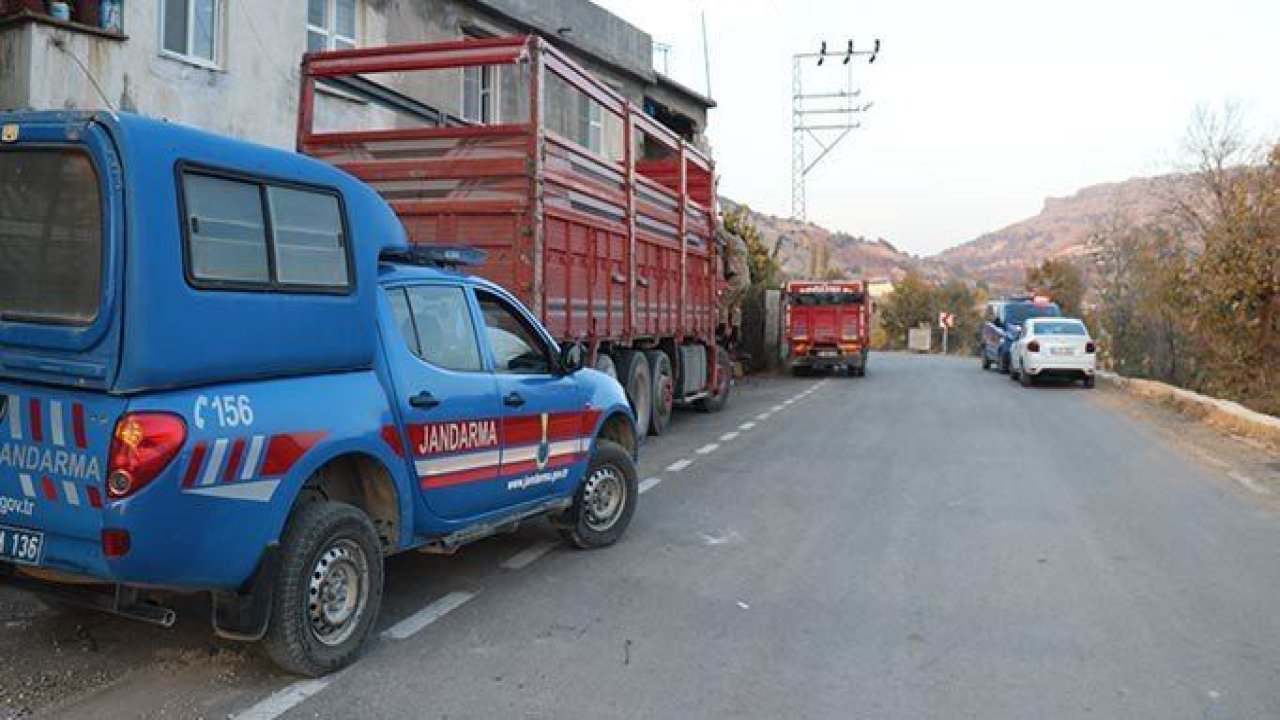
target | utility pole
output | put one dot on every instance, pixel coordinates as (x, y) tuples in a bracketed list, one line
[(823, 117)]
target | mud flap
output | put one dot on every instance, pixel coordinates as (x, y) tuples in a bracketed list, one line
[(244, 615)]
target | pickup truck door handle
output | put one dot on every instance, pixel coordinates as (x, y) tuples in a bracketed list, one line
[(424, 400), (513, 400)]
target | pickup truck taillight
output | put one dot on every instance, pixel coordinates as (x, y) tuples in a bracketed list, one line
[(1033, 346), (141, 448)]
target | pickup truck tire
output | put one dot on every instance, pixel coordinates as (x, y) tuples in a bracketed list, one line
[(664, 385), (328, 590), (720, 395), (606, 498), (1088, 382), (986, 361), (633, 373)]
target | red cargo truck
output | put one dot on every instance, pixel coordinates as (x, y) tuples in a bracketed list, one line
[(596, 216), (827, 326)]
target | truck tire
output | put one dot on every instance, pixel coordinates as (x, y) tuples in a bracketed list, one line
[(604, 364), (664, 386), (720, 395), (606, 499), (633, 373), (986, 361), (328, 590)]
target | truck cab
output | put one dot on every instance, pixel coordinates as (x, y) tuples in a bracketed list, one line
[(223, 370), (827, 326), (1003, 325)]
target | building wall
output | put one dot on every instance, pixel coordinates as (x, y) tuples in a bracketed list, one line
[(252, 93)]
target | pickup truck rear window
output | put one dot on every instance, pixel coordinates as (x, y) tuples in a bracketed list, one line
[(50, 236)]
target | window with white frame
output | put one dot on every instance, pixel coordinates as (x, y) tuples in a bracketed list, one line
[(480, 94), (189, 28), (331, 24)]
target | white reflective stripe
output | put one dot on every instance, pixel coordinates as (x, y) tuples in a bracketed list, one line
[(73, 497), (566, 447), (14, 405), (260, 491), (251, 460), (530, 452), (519, 454), (454, 463), (55, 423), (28, 487), (215, 462)]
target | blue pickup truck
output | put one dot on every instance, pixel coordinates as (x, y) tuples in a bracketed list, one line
[(223, 370), (1003, 325)]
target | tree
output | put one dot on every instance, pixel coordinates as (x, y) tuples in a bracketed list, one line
[(957, 298), (914, 300), (762, 261), (1059, 279)]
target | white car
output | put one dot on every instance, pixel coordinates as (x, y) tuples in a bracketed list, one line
[(1057, 347)]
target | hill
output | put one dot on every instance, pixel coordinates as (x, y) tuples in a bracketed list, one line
[(806, 248), (1064, 228)]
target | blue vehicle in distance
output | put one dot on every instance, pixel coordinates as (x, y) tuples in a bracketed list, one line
[(1003, 324), (223, 370)]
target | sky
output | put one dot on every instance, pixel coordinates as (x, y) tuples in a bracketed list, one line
[(981, 109)]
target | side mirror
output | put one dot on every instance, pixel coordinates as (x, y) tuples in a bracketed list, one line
[(571, 358)]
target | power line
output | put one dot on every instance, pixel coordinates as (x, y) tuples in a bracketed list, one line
[(822, 118)]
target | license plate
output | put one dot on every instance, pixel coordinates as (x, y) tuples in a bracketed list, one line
[(1062, 351), (826, 353), (20, 546)]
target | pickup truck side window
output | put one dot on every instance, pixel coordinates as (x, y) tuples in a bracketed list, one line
[(249, 234), (308, 237), (517, 348), (228, 235), (442, 321), (403, 318)]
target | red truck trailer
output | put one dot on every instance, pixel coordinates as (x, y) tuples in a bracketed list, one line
[(596, 216), (827, 326)]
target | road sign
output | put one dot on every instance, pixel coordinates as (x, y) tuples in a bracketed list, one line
[(946, 320)]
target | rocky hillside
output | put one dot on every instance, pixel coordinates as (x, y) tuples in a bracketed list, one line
[(1063, 229), (806, 248)]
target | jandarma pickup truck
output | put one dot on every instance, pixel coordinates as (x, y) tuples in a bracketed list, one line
[(224, 370)]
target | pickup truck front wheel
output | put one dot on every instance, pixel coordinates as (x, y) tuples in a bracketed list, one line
[(606, 499), (328, 591)]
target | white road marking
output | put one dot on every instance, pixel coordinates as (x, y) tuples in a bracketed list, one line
[(679, 465), (414, 624), (776, 408), (763, 416), (528, 555), (1253, 485), (746, 425), (728, 436), (281, 702), (707, 449), (744, 606), (648, 484), (788, 401)]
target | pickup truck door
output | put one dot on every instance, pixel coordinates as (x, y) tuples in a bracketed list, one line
[(447, 399), (545, 425)]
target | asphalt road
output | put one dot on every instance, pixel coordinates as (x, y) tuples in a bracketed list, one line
[(929, 541)]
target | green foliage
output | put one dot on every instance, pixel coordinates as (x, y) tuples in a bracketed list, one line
[(917, 300), (1199, 306), (762, 261), (1060, 280)]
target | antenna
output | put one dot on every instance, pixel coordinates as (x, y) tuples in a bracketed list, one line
[(838, 108), (706, 53), (62, 45)]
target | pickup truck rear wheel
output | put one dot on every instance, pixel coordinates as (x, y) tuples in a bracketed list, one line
[(606, 499), (328, 591)]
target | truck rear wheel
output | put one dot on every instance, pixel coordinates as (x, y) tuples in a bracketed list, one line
[(720, 394), (328, 590), (633, 373), (606, 499), (604, 364), (664, 384)]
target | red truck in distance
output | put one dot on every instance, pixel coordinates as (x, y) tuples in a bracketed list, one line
[(596, 216), (827, 326)]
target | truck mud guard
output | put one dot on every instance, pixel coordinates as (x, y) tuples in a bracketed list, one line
[(244, 615)]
